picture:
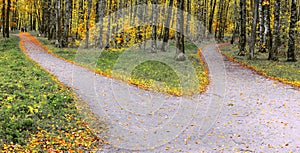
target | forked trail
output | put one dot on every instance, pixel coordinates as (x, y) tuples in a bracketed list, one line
[(240, 112)]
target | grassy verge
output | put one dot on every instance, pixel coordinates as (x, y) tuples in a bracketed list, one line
[(286, 72), (36, 112), (145, 74)]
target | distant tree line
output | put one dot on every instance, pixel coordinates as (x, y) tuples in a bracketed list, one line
[(258, 25)]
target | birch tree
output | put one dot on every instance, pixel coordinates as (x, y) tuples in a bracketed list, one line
[(273, 55), (261, 26), (253, 30), (154, 27), (179, 32), (291, 56), (101, 10), (242, 40), (3, 19), (167, 27), (211, 16), (88, 24), (267, 33)]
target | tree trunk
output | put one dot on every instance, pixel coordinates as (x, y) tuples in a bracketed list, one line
[(58, 24), (200, 23), (189, 13), (108, 21), (44, 19), (3, 19), (34, 16), (14, 18), (224, 25), (291, 56), (235, 22), (253, 30), (261, 27), (204, 18), (274, 53), (154, 31), (268, 35), (67, 23), (7, 19), (211, 16), (167, 27), (101, 10), (88, 24), (139, 12), (179, 32), (242, 40), (219, 18), (52, 20), (144, 20)]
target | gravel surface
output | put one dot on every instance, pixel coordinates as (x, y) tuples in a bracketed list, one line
[(240, 112)]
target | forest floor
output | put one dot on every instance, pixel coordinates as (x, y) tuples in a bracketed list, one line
[(286, 72), (36, 112), (241, 111)]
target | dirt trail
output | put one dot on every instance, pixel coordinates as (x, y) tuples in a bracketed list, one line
[(241, 111)]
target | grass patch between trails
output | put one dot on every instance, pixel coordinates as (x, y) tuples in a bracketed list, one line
[(146, 74)]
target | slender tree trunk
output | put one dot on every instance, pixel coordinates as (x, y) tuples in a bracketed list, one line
[(67, 22), (154, 27), (108, 21), (219, 21), (58, 24), (274, 53), (298, 11), (88, 24), (52, 20), (261, 27), (31, 18), (188, 18), (224, 25), (291, 56), (43, 19), (253, 30), (179, 32), (161, 27), (211, 16), (285, 9), (136, 2), (200, 23), (144, 19), (235, 22), (34, 16), (268, 33), (101, 10), (3, 19), (167, 27), (7, 19), (139, 11), (14, 18), (131, 12), (204, 18), (242, 40)]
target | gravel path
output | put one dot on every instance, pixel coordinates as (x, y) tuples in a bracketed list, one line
[(240, 112)]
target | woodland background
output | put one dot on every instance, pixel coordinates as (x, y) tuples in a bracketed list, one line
[(266, 26)]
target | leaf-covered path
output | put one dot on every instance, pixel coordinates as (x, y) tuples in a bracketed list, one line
[(241, 111)]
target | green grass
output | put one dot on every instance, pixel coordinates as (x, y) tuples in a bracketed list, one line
[(145, 74), (281, 70), (63, 52), (35, 111)]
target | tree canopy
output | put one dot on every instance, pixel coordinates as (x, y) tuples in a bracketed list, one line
[(260, 26)]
